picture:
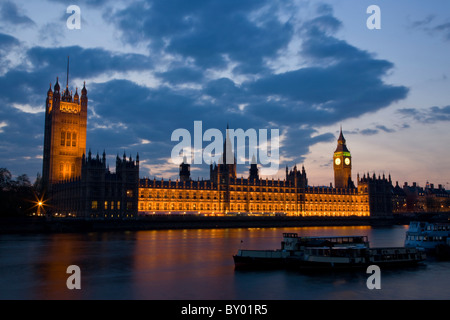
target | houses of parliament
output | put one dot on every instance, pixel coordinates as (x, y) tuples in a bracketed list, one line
[(80, 184)]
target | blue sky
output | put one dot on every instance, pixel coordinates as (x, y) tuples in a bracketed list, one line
[(303, 67)]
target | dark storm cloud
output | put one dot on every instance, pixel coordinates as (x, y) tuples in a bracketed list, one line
[(210, 32), (10, 14), (7, 45), (86, 63), (182, 75), (22, 138), (338, 81), (346, 81), (7, 41), (28, 85), (325, 95)]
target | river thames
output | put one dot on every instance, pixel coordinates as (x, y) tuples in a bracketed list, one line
[(197, 264)]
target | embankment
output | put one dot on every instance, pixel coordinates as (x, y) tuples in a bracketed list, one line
[(41, 225)]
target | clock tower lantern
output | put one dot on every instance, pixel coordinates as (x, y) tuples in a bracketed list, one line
[(342, 164)]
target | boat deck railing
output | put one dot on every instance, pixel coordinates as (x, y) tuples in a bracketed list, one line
[(339, 240), (336, 240)]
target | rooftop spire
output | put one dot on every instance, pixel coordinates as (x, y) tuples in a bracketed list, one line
[(341, 145), (67, 83), (341, 137)]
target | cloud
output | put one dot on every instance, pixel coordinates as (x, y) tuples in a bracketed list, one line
[(3, 124), (348, 85), (211, 33), (368, 132), (182, 75), (10, 14), (92, 3), (211, 58), (427, 115), (86, 62), (9, 45), (432, 27), (443, 28), (385, 129), (7, 42), (29, 81)]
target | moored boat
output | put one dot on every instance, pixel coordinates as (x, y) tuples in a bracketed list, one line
[(427, 235), (292, 246), (357, 257), (329, 253)]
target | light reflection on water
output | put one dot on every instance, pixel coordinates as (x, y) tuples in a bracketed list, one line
[(196, 264)]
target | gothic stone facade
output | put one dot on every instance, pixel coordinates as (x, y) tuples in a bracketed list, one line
[(84, 187), (98, 193), (65, 134), (263, 196), (224, 193)]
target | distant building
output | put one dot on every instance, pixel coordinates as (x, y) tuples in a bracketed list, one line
[(414, 198), (380, 194)]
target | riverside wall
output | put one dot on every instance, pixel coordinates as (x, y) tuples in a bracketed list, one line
[(42, 225)]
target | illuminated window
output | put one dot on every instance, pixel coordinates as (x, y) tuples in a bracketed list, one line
[(130, 193), (94, 205), (68, 135), (74, 139), (61, 171), (106, 204)]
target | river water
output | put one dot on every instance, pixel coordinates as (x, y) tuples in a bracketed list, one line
[(197, 265)]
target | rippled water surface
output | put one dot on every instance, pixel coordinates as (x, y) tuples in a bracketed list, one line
[(196, 264)]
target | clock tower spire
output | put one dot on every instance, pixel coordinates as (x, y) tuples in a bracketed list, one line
[(342, 164)]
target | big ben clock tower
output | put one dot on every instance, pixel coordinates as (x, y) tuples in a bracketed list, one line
[(342, 164)]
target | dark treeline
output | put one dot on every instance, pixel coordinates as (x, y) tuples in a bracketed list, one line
[(18, 197)]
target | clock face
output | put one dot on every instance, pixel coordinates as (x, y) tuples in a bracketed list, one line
[(337, 161), (347, 161)]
